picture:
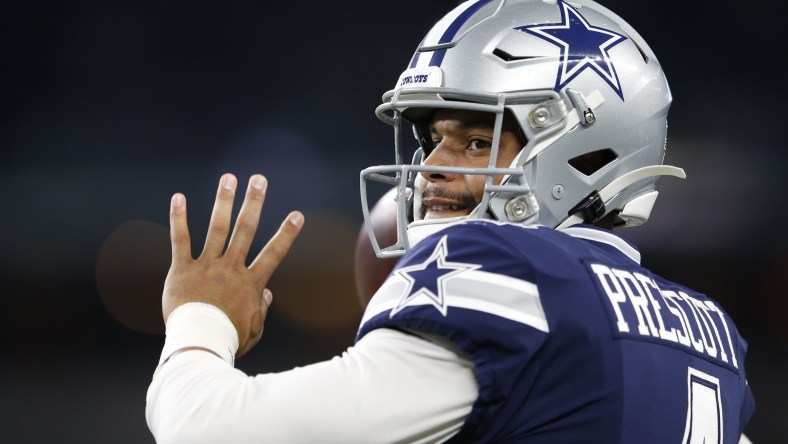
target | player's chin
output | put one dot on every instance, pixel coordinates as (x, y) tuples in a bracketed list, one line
[(445, 214)]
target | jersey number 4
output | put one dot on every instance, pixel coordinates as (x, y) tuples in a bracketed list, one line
[(704, 412)]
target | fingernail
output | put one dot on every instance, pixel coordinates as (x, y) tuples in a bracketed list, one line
[(258, 182), (177, 200), (268, 297), (229, 181), (296, 219)]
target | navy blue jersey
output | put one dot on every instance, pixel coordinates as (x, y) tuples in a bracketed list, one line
[(572, 340)]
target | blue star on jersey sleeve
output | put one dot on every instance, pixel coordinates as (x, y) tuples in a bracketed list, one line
[(583, 46), (428, 278)]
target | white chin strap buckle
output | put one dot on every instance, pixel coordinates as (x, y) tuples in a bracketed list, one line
[(592, 208)]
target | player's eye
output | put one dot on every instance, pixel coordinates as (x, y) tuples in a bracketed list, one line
[(479, 144)]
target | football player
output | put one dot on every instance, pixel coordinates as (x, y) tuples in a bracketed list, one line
[(514, 314)]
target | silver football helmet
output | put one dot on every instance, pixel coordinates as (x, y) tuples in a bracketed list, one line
[(577, 79)]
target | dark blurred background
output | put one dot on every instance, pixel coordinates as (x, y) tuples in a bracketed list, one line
[(109, 107)]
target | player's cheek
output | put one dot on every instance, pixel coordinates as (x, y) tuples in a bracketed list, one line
[(475, 185)]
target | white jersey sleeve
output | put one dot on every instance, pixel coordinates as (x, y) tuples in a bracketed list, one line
[(390, 387)]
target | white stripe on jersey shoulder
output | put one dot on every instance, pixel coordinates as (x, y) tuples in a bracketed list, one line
[(499, 295), (605, 238)]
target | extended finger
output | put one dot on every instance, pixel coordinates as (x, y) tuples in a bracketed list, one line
[(221, 217), (179, 229), (248, 218), (276, 249)]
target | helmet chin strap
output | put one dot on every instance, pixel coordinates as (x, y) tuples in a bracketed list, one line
[(597, 200), (417, 181)]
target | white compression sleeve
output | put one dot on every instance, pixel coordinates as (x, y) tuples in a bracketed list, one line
[(390, 387), (200, 325)]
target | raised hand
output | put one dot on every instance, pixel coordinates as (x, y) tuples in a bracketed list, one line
[(221, 277)]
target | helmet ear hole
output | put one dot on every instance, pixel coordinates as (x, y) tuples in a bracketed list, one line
[(422, 128), (424, 136), (590, 163)]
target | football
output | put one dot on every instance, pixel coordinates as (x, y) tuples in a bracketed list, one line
[(370, 271)]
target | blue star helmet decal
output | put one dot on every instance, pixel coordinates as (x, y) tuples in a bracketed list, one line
[(582, 45), (427, 281)]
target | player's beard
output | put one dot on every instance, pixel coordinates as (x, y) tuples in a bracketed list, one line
[(465, 198)]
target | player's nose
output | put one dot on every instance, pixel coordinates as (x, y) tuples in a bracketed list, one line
[(441, 155)]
